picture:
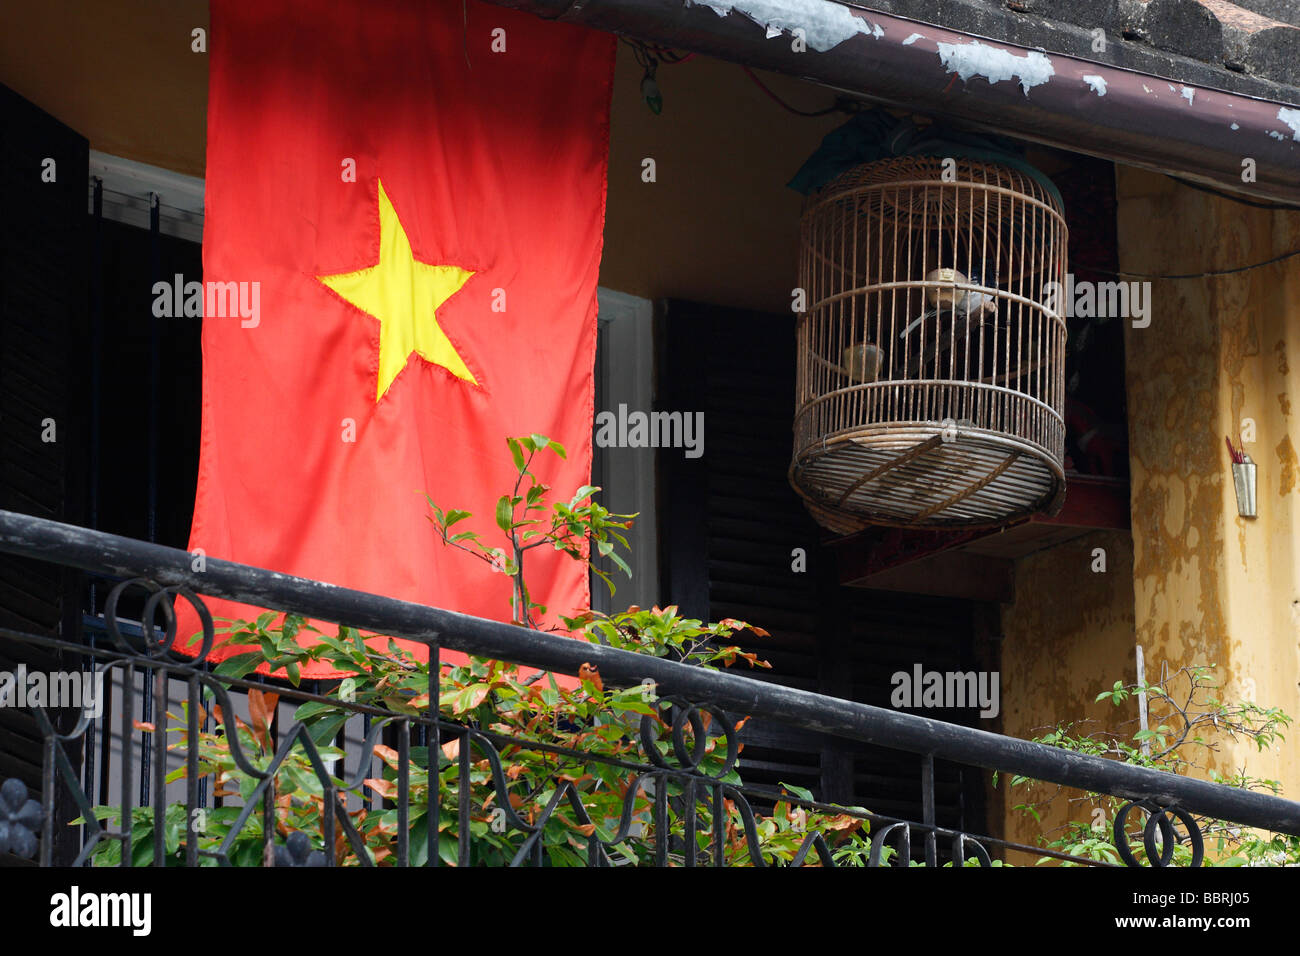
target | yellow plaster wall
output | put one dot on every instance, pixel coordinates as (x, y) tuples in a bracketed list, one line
[(1067, 636), (1210, 586)]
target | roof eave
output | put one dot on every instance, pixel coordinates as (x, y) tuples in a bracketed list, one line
[(1055, 99)]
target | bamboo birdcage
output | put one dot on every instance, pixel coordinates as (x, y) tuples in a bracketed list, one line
[(931, 359)]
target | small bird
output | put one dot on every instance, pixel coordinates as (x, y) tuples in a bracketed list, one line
[(862, 363), (591, 673), (964, 304)]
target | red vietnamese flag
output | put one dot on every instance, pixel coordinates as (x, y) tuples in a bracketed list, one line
[(411, 316)]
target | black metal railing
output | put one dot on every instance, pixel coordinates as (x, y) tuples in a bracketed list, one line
[(670, 791)]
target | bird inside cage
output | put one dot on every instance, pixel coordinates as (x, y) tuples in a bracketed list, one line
[(964, 303), (952, 314), (861, 363)]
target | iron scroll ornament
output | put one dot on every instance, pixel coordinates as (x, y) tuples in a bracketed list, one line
[(1158, 818)]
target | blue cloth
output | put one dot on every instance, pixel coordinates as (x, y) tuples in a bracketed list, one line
[(875, 134)]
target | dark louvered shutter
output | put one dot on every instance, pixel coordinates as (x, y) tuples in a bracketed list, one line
[(730, 524), (43, 360)]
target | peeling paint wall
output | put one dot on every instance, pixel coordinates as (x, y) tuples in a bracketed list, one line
[(1210, 586), (1067, 637)]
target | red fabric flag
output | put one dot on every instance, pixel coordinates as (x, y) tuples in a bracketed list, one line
[(417, 190)]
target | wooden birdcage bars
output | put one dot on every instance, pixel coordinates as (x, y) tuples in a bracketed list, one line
[(931, 359)]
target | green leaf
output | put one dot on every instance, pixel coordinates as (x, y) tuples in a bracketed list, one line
[(505, 513), (613, 556), (419, 842), (239, 665), (800, 792), (326, 729), (313, 708), (517, 453), (634, 705), (583, 492)]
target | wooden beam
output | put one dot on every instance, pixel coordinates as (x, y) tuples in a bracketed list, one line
[(1093, 502), (947, 574)]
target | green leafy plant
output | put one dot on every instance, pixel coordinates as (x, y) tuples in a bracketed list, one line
[(1187, 721), (529, 521)]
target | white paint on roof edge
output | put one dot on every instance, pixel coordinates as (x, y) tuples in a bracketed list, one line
[(1097, 83), (825, 25), (1187, 92), (912, 39), (995, 65), (1292, 119)]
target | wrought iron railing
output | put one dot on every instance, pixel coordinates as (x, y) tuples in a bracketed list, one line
[(670, 792)]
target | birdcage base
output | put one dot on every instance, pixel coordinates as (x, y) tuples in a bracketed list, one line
[(926, 475)]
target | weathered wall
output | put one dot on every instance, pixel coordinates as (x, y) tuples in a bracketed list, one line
[(1210, 586), (1067, 636)]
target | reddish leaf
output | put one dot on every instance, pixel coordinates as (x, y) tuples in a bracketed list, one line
[(387, 754), (261, 708)]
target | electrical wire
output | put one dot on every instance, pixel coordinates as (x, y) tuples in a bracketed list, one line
[(667, 55), (1192, 275), (650, 55), (836, 107), (1213, 273), (1234, 197)]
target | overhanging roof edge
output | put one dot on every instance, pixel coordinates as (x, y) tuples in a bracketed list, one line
[(1053, 98)]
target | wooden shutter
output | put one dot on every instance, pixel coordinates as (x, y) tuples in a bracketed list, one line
[(44, 355)]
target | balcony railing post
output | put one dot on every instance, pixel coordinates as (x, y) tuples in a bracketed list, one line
[(194, 823), (927, 808)]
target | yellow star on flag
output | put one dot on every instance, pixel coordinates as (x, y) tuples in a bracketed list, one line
[(404, 295)]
